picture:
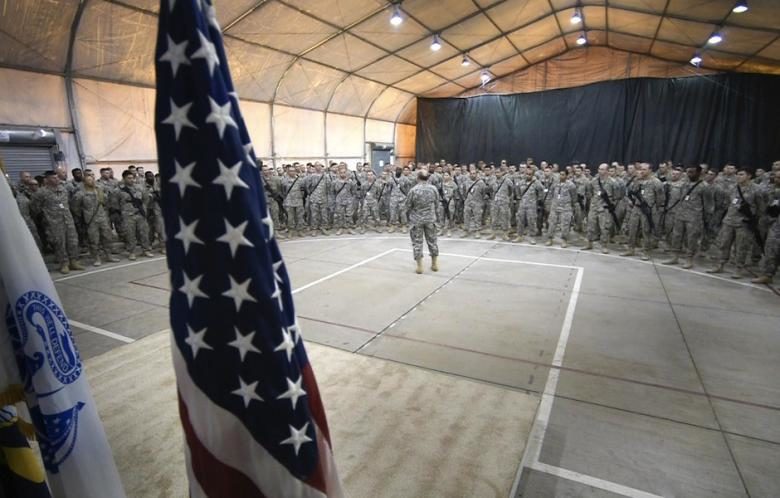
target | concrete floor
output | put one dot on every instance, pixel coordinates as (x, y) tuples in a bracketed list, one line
[(654, 381)]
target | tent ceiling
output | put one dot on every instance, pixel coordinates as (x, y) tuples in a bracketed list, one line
[(345, 56)]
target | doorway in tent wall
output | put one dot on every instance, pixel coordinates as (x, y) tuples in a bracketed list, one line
[(380, 154)]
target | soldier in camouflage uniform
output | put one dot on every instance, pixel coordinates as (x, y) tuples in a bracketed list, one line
[(272, 186), (544, 208), (89, 204), (745, 196), (564, 199), (344, 189), (53, 205), (644, 196), (599, 218), (689, 216), (292, 190), (155, 208), (771, 258), (501, 211), (396, 191), (23, 193), (473, 191), (529, 191), (449, 193), (133, 203), (671, 195), (581, 209), (317, 186), (370, 191), (421, 205), (109, 186), (719, 199)]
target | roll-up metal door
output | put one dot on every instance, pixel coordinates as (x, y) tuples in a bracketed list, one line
[(17, 158)]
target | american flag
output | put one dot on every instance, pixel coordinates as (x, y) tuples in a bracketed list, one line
[(253, 419)]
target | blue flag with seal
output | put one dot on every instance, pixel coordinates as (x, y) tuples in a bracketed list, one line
[(73, 444)]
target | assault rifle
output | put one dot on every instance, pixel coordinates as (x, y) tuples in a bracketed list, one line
[(751, 220), (609, 205), (644, 207)]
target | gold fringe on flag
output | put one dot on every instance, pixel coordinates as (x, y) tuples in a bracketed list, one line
[(12, 395)]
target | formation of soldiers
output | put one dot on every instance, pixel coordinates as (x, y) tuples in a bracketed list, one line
[(88, 215), (684, 211), (728, 215)]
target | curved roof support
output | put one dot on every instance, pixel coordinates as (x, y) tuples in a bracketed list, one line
[(74, 28)]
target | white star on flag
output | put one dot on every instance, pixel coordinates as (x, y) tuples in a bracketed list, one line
[(183, 177), (267, 221), (294, 391), (277, 294), (278, 266), (247, 392), (234, 237), (175, 54), (243, 343), (295, 331), (220, 116), (207, 52), (228, 178), (297, 437), (211, 15), (178, 118), (248, 151), (196, 341), (192, 288), (187, 234), (239, 292), (287, 345)]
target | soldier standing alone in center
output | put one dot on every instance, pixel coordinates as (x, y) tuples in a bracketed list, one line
[(421, 205)]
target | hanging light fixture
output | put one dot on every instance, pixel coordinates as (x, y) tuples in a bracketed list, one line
[(576, 18), (436, 44), (396, 19), (466, 61), (484, 76), (715, 38), (582, 40), (696, 59), (740, 7)]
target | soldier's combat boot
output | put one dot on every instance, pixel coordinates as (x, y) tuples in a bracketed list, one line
[(132, 256), (492, 236), (351, 232), (588, 246), (628, 252), (506, 237), (548, 243), (435, 263), (97, 262), (532, 241), (76, 265), (477, 235), (519, 238), (672, 261), (113, 259), (564, 244), (338, 232), (324, 232), (392, 229), (148, 254), (716, 269), (449, 233), (64, 268), (465, 234), (604, 250), (644, 257), (739, 274), (763, 279), (419, 268), (688, 264)]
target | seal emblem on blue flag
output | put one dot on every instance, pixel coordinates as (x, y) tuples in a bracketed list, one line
[(60, 437), (35, 310)]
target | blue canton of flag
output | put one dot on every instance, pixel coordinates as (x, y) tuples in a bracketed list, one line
[(249, 405)]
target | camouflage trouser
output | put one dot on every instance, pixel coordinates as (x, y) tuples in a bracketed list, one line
[(562, 218), (100, 236), (319, 215), (459, 212), (711, 230), (742, 237), (771, 250), (273, 210), (63, 238), (690, 232), (116, 221), (136, 229), (34, 231), (331, 211), (369, 210), (666, 229), (580, 218), (294, 217), (487, 215), (599, 225), (526, 220), (428, 232), (638, 221), (472, 216), (342, 215), (501, 216), (397, 211), (158, 226)]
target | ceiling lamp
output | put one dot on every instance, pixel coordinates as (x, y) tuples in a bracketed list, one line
[(696, 59), (466, 61), (576, 18), (715, 38), (740, 7), (436, 44), (582, 40), (484, 76), (396, 19)]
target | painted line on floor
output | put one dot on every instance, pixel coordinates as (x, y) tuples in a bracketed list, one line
[(345, 270), (593, 482), (108, 268), (105, 333)]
